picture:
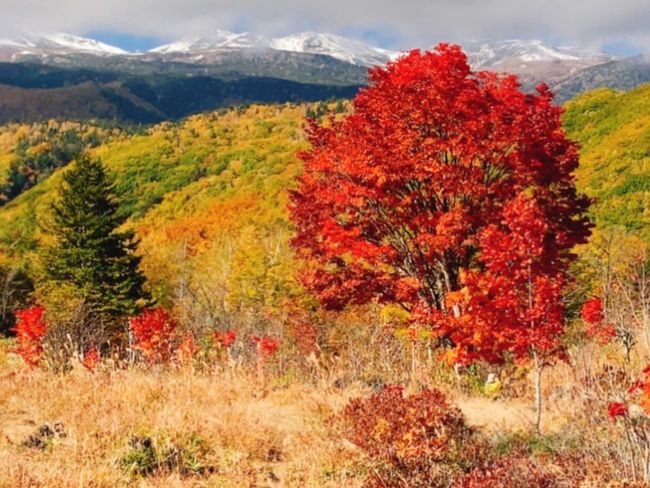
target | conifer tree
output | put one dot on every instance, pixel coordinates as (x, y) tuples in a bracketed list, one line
[(91, 253)]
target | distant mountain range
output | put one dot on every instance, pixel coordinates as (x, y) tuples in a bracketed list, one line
[(302, 65)]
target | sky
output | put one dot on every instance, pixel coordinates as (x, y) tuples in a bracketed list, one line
[(618, 26)]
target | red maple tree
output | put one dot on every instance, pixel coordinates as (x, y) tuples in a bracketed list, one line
[(451, 193), (394, 198)]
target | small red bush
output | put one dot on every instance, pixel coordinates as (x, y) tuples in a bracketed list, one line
[(593, 315), (225, 339), (617, 409), (91, 359), (511, 471), (153, 333), (414, 441), (30, 329), (592, 311), (266, 346)]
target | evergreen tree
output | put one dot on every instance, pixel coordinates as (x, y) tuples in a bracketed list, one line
[(91, 254)]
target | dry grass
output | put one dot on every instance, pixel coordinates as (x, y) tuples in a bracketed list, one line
[(255, 436), (252, 433)]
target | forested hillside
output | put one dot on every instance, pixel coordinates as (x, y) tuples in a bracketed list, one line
[(613, 129), (212, 188), (207, 196), (35, 93)]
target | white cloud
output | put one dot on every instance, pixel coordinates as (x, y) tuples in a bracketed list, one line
[(408, 23)]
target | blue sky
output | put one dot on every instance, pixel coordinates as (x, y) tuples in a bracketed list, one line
[(127, 42)]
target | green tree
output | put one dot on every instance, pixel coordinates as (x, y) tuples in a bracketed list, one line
[(91, 253)]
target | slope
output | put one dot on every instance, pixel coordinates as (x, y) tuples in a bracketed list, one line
[(32, 92), (613, 130)]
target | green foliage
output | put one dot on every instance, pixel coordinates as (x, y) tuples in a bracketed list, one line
[(90, 252), (613, 130)]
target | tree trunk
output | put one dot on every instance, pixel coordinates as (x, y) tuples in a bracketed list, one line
[(538, 394)]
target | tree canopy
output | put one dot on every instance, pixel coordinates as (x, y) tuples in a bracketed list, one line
[(411, 199)]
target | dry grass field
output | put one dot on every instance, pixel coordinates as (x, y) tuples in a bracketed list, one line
[(163, 427)]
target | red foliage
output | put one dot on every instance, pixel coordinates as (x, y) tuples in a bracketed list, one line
[(602, 333), (186, 350), (153, 332), (304, 333), (593, 315), (617, 409), (30, 329), (91, 359), (436, 167), (513, 471), (266, 346), (419, 440), (641, 387), (514, 303), (592, 311), (225, 339)]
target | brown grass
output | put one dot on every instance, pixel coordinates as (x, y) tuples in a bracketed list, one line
[(255, 432), (274, 436)]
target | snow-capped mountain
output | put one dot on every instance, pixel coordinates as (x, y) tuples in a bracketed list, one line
[(44, 44), (349, 50), (483, 54), (219, 40), (341, 48), (532, 60)]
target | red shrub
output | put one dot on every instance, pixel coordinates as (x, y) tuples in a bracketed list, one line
[(509, 472), (30, 329), (225, 339), (91, 359), (153, 333), (420, 440), (641, 387), (593, 315), (592, 311), (617, 409), (266, 346)]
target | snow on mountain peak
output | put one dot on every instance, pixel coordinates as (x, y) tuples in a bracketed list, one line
[(482, 54), (349, 50), (219, 39), (338, 47), (33, 43)]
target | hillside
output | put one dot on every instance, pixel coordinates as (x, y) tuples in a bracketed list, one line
[(211, 189), (71, 77), (613, 130), (32, 93), (620, 74)]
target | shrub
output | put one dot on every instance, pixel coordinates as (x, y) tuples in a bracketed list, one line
[(509, 472), (91, 358), (414, 441), (30, 329), (147, 456), (153, 334), (225, 339), (593, 315), (266, 347)]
